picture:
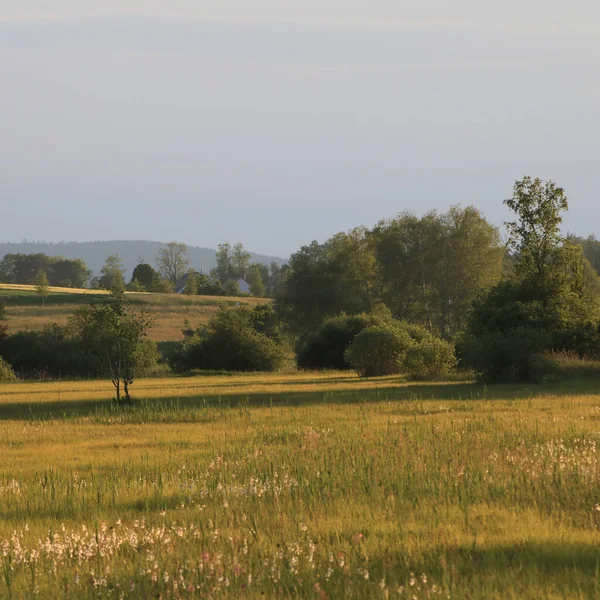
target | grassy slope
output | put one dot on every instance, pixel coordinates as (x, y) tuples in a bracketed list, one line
[(300, 485), (25, 311)]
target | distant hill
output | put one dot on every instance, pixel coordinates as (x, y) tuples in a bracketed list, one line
[(94, 253)]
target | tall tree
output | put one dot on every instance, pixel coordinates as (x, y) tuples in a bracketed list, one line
[(257, 287), (173, 261), (42, 285), (112, 273), (240, 260), (224, 269), (433, 267), (546, 262)]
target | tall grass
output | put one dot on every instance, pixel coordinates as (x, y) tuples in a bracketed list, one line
[(300, 486)]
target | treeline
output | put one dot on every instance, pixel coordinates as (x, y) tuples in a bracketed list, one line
[(412, 296), (424, 270), (61, 272), (172, 272)]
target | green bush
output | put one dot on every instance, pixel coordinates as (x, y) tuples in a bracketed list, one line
[(513, 355), (431, 358), (52, 352), (325, 349), (378, 351), (236, 339), (401, 347), (6, 371)]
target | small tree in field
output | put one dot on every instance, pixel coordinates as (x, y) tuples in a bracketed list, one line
[(117, 336), (2, 310), (42, 285)]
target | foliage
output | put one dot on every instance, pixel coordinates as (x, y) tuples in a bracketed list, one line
[(115, 336), (6, 371), (591, 249), (224, 269), (52, 352), (145, 275), (328, 279), (172, 261), (401, 347), (236, 339), (191, 283), (425, 270), (433, 267), (378, 351), (325, 348), (551, 304), (240, 261), (208, 286), (2, 310), (257, 287), (232, 288), (112, 274), (429, 359), (509, 355), (42, 284), (23, 268)]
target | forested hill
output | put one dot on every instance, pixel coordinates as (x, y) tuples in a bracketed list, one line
[(94, 253)]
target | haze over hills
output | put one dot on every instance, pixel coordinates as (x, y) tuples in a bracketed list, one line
[(131, 251)]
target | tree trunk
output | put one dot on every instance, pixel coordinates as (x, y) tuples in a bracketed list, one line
[(117, 384), (126, 383)]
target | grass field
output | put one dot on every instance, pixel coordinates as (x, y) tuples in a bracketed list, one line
[(25, 311), (315, 486)]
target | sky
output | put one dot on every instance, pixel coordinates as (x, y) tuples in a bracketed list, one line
[(277, 122)]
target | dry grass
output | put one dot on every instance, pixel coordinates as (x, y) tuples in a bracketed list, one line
[(25, 311)]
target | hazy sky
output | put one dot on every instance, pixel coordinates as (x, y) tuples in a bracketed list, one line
[(276, 122)]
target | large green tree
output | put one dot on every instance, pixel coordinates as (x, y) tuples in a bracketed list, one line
[(146, 276), (69, 273), (116, 335), (550, 302)]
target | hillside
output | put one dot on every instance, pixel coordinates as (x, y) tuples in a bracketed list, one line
[(94, 253), (24, 310)]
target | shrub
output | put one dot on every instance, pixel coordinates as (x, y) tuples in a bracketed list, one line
[(326, 348), (513, 355), (582, 339), (378, 351), (6, 371), (430, 358), (2, 310), (232, 341), (52, 352)]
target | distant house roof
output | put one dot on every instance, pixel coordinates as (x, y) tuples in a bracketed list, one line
[(244, 286)]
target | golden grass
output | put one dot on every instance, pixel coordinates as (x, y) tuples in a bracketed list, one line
[(301, 485), (171, 310)]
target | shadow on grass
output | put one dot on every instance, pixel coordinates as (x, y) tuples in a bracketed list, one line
[(466, 394)]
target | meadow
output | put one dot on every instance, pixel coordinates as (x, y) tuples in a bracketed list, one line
[(300, 485), (25, 311)]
